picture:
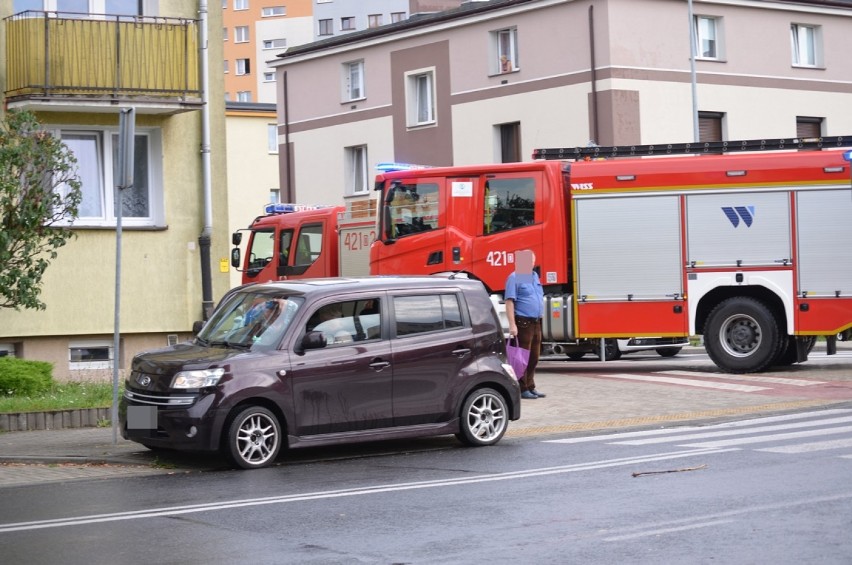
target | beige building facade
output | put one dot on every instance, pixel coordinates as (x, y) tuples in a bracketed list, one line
[(166, 211)]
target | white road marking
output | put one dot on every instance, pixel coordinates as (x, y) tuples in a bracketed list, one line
[(810, 447), (377, 489), (737, 432), (684, 382), (748, 378), (726, 425), (661, 531), (772, 437)]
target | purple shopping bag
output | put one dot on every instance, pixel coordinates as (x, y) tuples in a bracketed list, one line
[(518, 357)]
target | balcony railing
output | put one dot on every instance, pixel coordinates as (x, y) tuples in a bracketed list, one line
[(53, 55)]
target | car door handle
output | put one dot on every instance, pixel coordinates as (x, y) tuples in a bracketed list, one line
[(461, 352), (377, 365)]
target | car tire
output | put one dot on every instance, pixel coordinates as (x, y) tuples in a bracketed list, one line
[(668, 351), (254, 438), (484, 418)]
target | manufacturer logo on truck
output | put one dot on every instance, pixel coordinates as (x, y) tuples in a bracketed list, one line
[(737, 213)]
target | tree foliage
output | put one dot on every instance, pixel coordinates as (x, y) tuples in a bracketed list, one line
[(39, 197)]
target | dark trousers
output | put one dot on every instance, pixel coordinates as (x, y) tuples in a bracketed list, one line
[(529, 337)]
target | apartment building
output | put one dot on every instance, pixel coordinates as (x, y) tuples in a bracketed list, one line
[(491, 81), (340, 17), (253, 32), (76, 65)]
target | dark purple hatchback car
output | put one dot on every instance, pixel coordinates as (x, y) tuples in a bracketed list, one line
[(328, 361)]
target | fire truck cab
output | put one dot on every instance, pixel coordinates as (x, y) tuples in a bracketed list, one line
[(743, 245), (289, 241)]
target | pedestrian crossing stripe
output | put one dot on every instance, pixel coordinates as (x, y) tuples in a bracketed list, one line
[(685, 382), (749, 378)]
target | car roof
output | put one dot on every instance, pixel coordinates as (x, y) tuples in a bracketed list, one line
[(350, 284)]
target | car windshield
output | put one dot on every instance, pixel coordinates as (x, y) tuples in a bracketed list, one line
[(249, 319)]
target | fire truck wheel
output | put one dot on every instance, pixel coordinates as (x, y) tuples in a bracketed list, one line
[(668, 351), (576, 356), (742, 335), (611, 350)]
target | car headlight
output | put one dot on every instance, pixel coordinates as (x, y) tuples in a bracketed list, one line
[(197, 379), (511, 371)]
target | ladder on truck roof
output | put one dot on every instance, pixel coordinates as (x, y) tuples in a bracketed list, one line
[(697, 147)]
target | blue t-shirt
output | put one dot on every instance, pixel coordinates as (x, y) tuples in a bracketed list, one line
[(527, 294)]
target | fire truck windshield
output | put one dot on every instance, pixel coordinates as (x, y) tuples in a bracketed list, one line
[(410, 208)]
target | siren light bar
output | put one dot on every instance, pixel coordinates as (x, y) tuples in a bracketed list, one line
[(391, 167), (287, 207)]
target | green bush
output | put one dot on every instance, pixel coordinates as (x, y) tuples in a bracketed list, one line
[(23, 377)]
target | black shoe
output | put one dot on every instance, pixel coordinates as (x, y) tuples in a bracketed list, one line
[(538, 394)]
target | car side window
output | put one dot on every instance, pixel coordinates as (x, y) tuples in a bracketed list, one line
[(426, 313), (347, 321)]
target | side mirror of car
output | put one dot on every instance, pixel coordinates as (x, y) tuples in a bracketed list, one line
[(197, 326), (312, 340)]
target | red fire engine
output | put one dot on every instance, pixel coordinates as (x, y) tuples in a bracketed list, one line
[(294, 241), (749, 247)]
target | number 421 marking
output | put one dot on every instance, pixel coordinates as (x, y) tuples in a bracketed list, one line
[(500, 258)]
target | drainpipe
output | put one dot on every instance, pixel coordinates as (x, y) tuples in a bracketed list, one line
[(594, 78), (291, 197), (206, 234)]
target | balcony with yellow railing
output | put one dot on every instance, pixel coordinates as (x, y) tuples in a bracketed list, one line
[(57, 61)]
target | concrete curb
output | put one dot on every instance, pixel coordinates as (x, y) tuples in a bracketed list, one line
[(54, 419)]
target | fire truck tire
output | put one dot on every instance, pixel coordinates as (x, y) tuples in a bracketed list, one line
[(611, 350), (742, 335), (576, 356), (668, 351)]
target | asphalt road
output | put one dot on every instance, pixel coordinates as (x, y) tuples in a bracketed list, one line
[(773, 490)]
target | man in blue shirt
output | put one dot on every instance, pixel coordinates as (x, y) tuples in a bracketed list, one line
[(524, 299)]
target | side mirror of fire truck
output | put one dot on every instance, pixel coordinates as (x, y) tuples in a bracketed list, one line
[(236, 238), (235, 257)]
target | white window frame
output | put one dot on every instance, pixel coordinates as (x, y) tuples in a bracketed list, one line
[(806, 45), (707, 29), (374, 20), (226, 68), (241, 5), (272, 138), (273, 11), (243, 96), (242, 67), (355, 170), (225, 35), (397, 17), (504, 43), (420, 89), (94, 7), (346, 20), (91, 344), (277, 43), (321, 23), (353, 81), (269, 76), (274, 195), (106, 140), (241, 34)]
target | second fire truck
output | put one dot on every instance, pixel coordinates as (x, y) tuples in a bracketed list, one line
[(747, 243)]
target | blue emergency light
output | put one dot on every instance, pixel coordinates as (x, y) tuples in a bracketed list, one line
[(847, 155), (287, 207), (391, 167)]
